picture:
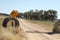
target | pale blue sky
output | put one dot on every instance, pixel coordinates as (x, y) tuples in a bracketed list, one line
[(6, 6)]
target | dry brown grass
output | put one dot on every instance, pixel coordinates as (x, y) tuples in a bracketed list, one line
[(45, 24), (11, 33)]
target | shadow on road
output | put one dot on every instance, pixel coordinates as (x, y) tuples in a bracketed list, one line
[(50, 33)]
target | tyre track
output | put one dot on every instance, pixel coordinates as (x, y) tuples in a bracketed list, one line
[(34, 33)]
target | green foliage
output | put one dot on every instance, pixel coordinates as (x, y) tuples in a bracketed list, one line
[(49, 15)]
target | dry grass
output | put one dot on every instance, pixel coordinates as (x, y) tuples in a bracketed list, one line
[(45, 24), (11, 33)]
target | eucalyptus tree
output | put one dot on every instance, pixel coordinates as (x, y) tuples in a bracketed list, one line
[(52, 14)]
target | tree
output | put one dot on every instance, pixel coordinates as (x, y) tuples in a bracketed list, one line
[(41, 15), (52, 15)]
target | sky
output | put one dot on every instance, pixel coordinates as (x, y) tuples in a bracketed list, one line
[(6, 6)]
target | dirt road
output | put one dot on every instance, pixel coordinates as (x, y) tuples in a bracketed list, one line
[(34, 32)]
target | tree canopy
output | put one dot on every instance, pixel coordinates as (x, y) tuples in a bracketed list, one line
[(49, 15)]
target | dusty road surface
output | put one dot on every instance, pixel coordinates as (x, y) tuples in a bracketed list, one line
[(34, 32)]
